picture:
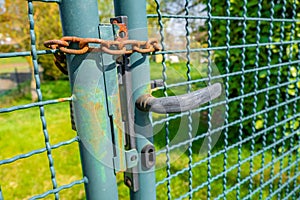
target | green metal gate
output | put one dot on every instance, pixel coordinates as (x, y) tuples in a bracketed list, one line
[(210, 110)]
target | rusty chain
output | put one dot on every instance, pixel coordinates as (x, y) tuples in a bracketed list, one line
[(106, 46)]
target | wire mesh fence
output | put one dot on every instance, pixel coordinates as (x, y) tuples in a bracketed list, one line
[(10, 165), (243, 145), (246, 143)]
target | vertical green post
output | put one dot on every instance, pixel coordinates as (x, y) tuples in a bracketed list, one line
[(139, 71), (80, 18)]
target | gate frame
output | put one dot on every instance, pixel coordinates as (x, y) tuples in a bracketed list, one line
[(80, 18)]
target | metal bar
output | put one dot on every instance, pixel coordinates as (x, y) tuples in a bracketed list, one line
[(139, 72), (26, 53), (235, 123), (164, 75), (227, 75), (281, 186), (209, 115), (63, 187), (295, 190), (241, 104), (226, 120), (113, 101), (38, 151), (232, 100), (212, 48), (189, 87), (35, 104), (266, 104), (86, 73), (236, 165), (223, 18), (281, 49), (246, 179), (274, 178), (238, 46), (255, 102), (292, 36), (40, 96)]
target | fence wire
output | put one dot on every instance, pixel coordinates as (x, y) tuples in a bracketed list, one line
[(40, 104), (243, 145), (246, 143)]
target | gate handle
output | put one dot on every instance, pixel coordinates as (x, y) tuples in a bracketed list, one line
[(180, 103)]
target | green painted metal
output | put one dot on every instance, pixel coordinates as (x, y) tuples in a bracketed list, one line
[(113, 102), (86, 73), (93, 81), (33, 53), (139, 71), (271, 48)]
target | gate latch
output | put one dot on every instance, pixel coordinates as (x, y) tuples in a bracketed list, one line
[(126, 157), (180, 103)]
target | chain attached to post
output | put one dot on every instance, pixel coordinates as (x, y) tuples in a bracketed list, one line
[(127, 157), (107, 46), (113, 47)]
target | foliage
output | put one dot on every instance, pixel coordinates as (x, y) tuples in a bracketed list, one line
[(51, 72), (14, 24), (268, 55)]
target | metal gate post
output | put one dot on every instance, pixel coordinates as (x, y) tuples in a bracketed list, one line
[(80, 18), (139, 71)]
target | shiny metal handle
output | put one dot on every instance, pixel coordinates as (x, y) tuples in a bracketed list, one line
[(180, 103)]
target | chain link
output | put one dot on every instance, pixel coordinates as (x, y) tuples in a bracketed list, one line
[(119, 47), (106, 46)]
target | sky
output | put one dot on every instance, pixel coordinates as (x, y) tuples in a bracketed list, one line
[(2, 6)]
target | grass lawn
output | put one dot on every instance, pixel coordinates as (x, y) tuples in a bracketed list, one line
[(8, 65), (13, 60), (21, 132)]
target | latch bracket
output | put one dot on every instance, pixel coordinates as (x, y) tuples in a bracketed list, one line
[(120, 30)]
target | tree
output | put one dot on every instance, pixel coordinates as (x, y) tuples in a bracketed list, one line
[(269, 55), (257, 57), (14, 24)]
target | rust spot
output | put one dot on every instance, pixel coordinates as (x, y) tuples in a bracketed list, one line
[(118, 126), (98, 106), (121, 149), (122, 33), (62, 99)]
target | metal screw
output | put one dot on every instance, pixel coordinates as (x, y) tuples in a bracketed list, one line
[(128, 181), (122, 34), (133, 158)]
